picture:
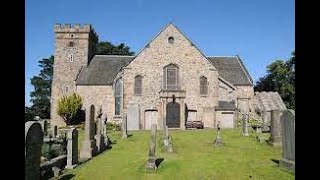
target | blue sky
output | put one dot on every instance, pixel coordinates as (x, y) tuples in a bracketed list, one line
[(258, 31)]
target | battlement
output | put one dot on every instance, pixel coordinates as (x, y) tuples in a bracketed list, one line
[(74, 28)]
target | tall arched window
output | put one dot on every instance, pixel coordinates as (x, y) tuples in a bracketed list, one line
[(171, 77), (203, 85), (138, 85), (118, 96)]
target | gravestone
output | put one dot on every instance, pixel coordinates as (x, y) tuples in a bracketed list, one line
[(218, 140), (275, 133), (124, 127), (259, 130), (245, 119), (33, 144), (99, 134), (166, 136), (133, 115), (151, 163), (104, 130), (55, 131), (89, 145), (72, 148), (288, 140), (45, 127)]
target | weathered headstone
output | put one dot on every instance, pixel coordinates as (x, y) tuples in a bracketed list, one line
[(170, 146), (133, 115), (99, 136), (259, 130), (151, 163), (89, 145), (245, 119), (166, 137), (218, 140), (104, 130), (45, 127), (55, 131), (72, 148), (124, 127), (33, 144), (288, 140), (275, 133)]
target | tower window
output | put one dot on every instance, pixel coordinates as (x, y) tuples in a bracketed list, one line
[(71, 43), (70, 58), (171, 40)]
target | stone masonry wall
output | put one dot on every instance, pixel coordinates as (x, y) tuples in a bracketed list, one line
[(65, 71), (192, 65), (99, 96)]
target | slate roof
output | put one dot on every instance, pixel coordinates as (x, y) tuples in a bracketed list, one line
[(232, 69), (102, 69), (267, 101)]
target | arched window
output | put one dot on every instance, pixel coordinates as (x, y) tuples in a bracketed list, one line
[(118, 96), (171, 77), (203, 85), (138, 85)]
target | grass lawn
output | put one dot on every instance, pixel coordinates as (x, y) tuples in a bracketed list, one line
[(195, 157)]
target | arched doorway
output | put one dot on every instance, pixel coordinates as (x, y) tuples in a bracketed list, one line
[(173, 115)]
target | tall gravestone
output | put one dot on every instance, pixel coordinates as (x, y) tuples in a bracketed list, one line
[(166, 137), (33, 144), (72, 148), (99, 136), (275, 132), (124, 127), (245, 119), (104, 130), (89, 145), (55, 131), (45, 127), (218, 140), (288, 140), (133, 115), (151, 163)]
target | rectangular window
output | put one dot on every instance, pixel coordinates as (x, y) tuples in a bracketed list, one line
[(172, 79)]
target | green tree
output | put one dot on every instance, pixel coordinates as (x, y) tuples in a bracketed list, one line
[(107, 48), (69, 108), (280, 77), (40, 97)]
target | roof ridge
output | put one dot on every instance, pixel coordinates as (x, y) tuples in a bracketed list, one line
[(111, 55), (222, 56)]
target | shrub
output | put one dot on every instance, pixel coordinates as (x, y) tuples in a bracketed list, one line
[(110, 126), (69, 108)]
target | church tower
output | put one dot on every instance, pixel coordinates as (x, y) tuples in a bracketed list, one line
[(75, 46)]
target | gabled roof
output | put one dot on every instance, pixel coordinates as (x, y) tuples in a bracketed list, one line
[(102, 69), (164, 28), (231, 69), (267, 101)]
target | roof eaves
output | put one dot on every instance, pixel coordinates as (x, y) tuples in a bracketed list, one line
[(244, 69)]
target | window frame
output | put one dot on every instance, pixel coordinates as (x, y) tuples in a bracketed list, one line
[(166, 70), (118, 97), (137, 91), (203, 86)]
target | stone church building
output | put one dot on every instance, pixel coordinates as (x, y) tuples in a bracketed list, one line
[(170, 81)]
